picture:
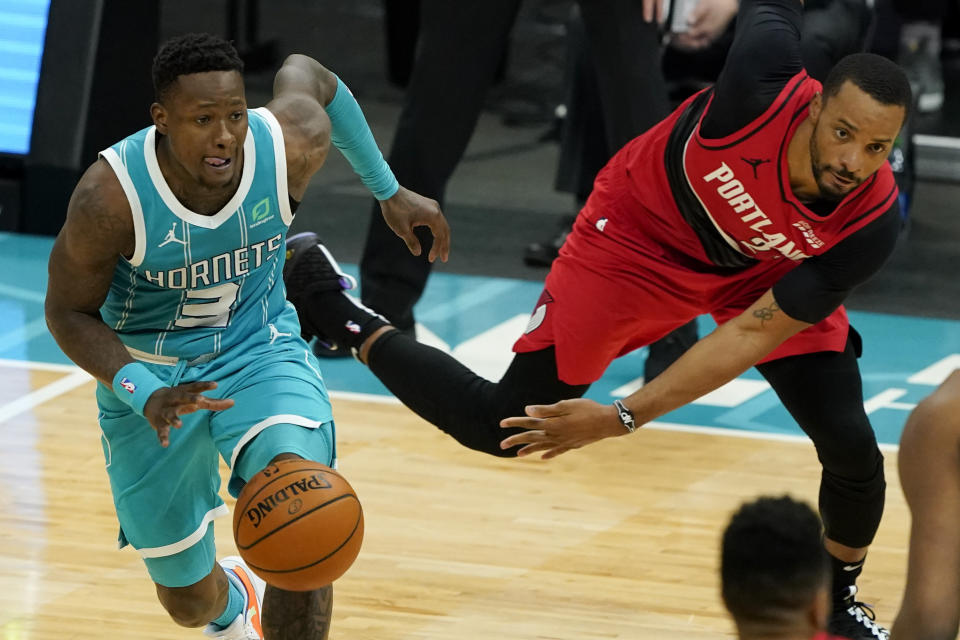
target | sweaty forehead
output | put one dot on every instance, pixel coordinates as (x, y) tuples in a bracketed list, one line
[(209, 87)]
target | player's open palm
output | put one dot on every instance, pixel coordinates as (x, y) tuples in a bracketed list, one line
[(406, 210), (166, 405), (558, 428)]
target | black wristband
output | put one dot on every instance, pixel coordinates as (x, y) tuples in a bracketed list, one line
[(626, 416)]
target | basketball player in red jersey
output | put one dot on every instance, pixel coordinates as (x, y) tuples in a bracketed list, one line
[(774, 573), (930, 476), (764, 201)]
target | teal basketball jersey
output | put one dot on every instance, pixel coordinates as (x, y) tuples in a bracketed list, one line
[(198, 285)]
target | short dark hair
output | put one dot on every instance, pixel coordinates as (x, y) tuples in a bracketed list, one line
[(773, 561), (875, 75), (192, 53)]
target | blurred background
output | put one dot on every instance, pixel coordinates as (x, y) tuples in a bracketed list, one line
[(74, 78)]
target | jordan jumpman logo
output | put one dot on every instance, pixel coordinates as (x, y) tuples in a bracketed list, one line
[(754, 163), (274, 333), (172, 237)]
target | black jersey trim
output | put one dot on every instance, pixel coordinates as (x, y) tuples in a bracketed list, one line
[(884, 204), (798, 79), (718, 251)]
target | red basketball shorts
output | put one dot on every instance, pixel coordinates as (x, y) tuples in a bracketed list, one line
[(625, 277)]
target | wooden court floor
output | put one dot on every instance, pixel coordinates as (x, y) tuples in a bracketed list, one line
[(619, 540)]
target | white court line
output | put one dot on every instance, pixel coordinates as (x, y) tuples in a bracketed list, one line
[(39, 366), (29, 295), (662, 426), (936, 373), (740, 433), (79, 377), (24, 333), (888, 400), (63, 385)]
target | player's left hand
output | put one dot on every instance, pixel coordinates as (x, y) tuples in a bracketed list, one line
[(405, 210), (558, 428)]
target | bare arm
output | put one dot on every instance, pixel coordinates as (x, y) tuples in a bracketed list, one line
[(718, 358), (929, 461), (302, 74), (715, 360), (301, 90), (98, 230)]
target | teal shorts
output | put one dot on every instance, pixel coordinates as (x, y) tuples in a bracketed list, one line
[(166, 499)]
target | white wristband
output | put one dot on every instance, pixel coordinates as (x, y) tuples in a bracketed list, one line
[(626, 416)]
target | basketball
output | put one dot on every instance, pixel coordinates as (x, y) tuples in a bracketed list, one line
[(298, 525)]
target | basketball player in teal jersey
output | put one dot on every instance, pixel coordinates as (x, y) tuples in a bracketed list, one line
[(166, 285)]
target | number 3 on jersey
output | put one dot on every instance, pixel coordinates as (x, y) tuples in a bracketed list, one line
[(209, 307)]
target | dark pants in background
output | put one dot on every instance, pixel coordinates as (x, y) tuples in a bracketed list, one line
[(458, 54)]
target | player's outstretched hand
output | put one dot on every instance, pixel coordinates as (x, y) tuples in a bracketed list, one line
[(406, 210), (558, 428), (166, 405)]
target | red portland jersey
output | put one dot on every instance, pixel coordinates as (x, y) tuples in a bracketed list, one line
[(735, 191)]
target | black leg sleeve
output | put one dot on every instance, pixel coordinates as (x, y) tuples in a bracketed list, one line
[(823, 392), (460, 47), (469, 408)]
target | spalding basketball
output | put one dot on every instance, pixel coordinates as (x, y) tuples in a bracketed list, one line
[(298, 525)]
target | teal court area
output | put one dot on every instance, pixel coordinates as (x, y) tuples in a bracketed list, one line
[(478, 318)]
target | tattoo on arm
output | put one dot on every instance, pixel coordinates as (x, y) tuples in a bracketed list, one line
[(765, 314), (98, 220), (296, 615)]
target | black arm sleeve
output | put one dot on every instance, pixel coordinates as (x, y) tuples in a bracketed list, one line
[(813, 290), (764, 55)]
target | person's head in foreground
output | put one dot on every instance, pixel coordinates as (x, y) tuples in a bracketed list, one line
[(775, 573)]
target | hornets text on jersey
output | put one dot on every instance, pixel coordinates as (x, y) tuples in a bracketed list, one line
[(197, 285)]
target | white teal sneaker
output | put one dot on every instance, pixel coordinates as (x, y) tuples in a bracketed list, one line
[(246, 626)]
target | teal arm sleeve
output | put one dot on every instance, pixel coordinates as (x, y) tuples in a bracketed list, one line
[(352, 136)]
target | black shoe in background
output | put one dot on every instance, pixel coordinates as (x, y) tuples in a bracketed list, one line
[(542, 254), (665, 351)]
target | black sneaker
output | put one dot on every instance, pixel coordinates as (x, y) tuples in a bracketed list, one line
[(855, 620), (542, 254), (668, 349), (310, 269)]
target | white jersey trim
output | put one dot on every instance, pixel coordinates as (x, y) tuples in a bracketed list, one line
[(280, 161), (253, 431), (139, 228), (189, 541), (175, 206), (723, 234), (152, 358)]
